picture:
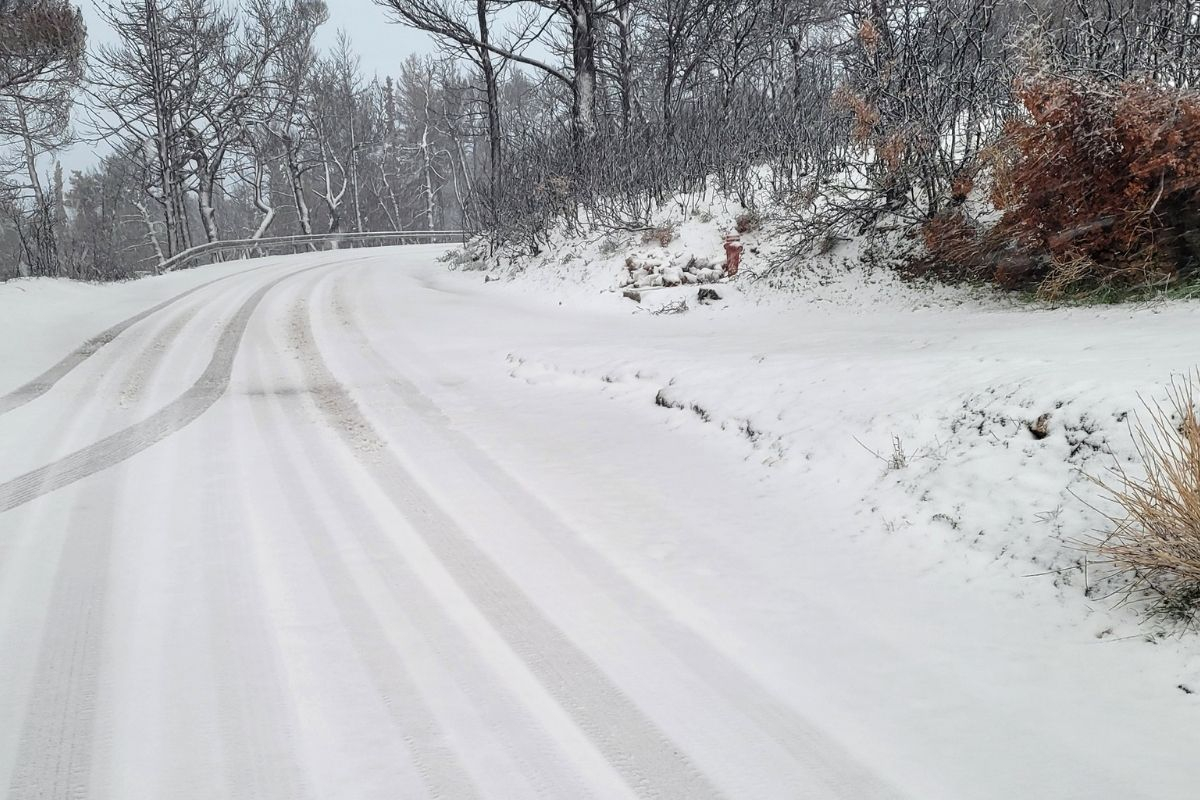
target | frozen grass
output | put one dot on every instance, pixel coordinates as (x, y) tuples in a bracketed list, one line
[(1155, 535)]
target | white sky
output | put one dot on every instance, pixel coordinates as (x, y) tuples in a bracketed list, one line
[(381, 45)]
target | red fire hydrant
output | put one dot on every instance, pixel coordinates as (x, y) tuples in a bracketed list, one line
[(733, 254)]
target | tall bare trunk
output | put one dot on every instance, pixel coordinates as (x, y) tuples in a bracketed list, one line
[(492, 88), (427, 159), (295, 177), (260, 202), (583, 77)]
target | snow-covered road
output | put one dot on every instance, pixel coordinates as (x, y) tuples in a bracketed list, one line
[(296, 532)]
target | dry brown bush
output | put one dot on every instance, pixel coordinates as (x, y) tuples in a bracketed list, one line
[(864, 114), (1099, 185), (952, 245), (961, 187), (1103, 179), (957, 247), (1154, 539)]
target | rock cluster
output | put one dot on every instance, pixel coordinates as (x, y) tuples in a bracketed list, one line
[(643, 271)]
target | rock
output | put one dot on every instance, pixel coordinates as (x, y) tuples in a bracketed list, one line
[(671, 277), (707, 295), (632, 294)]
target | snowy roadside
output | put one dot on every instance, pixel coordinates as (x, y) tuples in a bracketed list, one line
[(938, 415), (759, 517)]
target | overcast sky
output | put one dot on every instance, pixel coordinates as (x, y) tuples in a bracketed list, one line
[(381, 45)]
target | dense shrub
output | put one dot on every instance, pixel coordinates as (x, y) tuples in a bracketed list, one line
[(958, 248), (952, 247), (1103, 181)]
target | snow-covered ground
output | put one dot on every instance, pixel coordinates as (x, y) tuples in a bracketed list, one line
[(355, 525)]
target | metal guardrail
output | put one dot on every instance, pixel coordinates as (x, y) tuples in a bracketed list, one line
[(272, 245)]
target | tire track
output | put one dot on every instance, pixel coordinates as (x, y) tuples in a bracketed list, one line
[(43, 383), (126, 443), (54, 759), (436, 764), (78, 415), (147, 364), (60, 675), (60, 741), (651, 764), (252, 710), (502, 713), (144, 365), (821, 757)]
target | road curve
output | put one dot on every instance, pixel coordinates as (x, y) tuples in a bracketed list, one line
[(259, 589), (35, 388), (119, 446)]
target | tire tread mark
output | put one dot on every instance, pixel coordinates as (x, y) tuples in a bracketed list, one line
[(434, 762), (55, 755), (650, 763), (498, 707), (43, 383), (128, 442), (254, 716), (838, 769), (152, 356)]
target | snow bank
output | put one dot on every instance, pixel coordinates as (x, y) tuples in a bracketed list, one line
[(953, 425), (945, 414), (683, 245)]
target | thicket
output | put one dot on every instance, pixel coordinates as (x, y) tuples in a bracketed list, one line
[(1046, 144), (1099, 185)]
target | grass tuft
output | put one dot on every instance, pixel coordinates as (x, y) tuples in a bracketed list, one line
[(1153, 539)]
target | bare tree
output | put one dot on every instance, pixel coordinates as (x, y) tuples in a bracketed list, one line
[(465, 28), (41, 42), (41, 65)]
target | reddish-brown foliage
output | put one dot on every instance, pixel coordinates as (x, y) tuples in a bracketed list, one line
[(959, 248), (952, 244), (1104, 176), (892, 151), (864, 114), (868, 34), (961, 187)]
